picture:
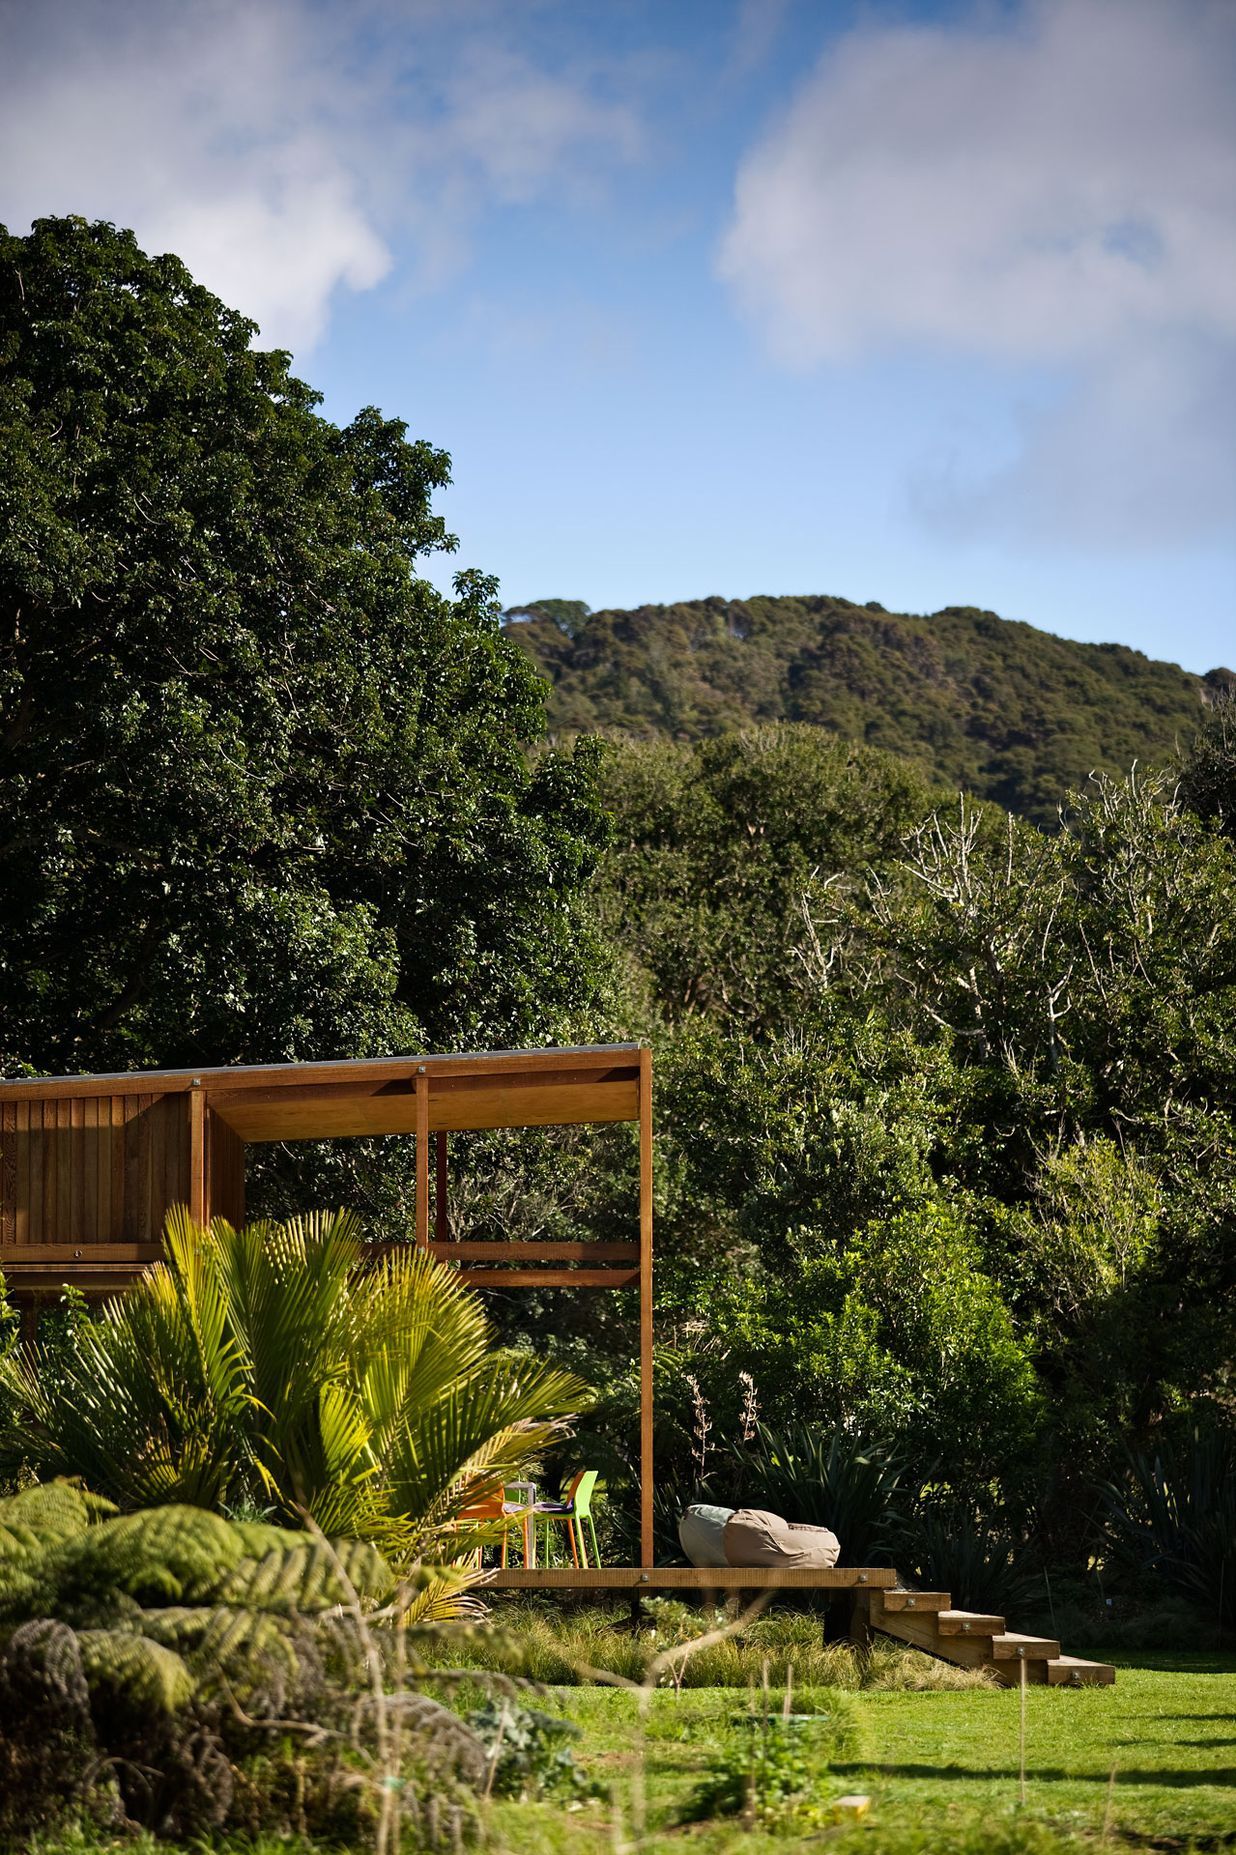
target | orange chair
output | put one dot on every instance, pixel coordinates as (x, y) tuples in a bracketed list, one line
[(496, 1507)]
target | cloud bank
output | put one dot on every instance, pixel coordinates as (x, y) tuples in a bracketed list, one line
[(282, 148), (1050, 194)]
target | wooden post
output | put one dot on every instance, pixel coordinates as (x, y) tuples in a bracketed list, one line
[(441, 1224), (198, 1208), (859, 1629), (422, 1160), (645, 1308)]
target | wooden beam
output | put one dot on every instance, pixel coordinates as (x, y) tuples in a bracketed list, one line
[(550, 1278), (64, 1255), (422, 1160), (339, 1111), (297, 1075), (691, 1578), (645, 1308), (197, 1156), (533, 1250)]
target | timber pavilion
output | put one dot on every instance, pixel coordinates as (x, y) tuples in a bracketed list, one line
[(91, 1165)]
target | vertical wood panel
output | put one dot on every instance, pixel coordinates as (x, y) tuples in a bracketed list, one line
[(87, 1139), (645, 1308), (178, 1177), (74, 1137), (136, 1168), (422, 1161), (116, 1138), (103, 1167), (36, 1177), (62, 1223), (22, 1232), (175, 1117), (197, 1155), (8, 1173)]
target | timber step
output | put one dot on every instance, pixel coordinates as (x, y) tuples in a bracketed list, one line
[(980, 1639)]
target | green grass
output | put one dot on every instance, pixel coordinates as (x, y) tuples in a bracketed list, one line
[(543, 1643), (940, 1767)]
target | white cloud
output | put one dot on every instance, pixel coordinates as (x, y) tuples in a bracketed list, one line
[(281, 148), (1049, 190)]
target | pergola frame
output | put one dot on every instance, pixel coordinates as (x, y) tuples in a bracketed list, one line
[(90, 1165)]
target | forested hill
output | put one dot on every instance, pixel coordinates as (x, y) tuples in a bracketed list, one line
[(1010, 712)]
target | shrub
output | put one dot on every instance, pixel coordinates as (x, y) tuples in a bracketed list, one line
[(148, 1661), (824, 1478), (1174, 1519)]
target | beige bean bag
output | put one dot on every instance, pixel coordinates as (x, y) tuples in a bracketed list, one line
[(701, 1530), (753, 1537)]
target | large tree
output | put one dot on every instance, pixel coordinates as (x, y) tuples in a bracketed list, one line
[(266, 792)]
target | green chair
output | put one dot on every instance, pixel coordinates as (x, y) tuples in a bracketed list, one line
[(576, 1510)]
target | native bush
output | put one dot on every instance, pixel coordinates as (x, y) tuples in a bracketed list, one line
[(825, 1478), (149, 1661), (1172, 1517)]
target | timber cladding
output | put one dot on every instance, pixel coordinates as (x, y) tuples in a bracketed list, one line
[(91, 1165), (86, 1170)]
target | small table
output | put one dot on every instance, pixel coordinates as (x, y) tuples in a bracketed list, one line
[(528, 1490)]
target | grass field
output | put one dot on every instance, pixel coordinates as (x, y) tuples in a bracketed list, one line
[(1149, 1763)]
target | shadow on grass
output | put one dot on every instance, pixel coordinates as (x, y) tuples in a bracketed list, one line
[(1050, 1774)]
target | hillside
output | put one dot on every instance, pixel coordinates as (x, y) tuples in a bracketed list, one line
[(1010, 712)]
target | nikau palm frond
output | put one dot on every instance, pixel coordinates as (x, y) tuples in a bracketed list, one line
[(268, 1366)]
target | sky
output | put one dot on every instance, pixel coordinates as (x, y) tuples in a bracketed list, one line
[(929, 302)]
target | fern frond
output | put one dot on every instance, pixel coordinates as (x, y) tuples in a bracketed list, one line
[(121, 1665)]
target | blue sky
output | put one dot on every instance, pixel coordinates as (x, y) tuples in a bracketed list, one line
[(930, 304)]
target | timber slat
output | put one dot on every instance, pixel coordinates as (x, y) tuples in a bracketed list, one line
[(549, 1278), (1074, 1671), (534, 1251), (1014, 1647), (915, 1600), (688, 1578), (969, 1623)]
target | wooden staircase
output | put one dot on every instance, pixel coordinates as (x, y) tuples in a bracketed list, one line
[(973, 1639)]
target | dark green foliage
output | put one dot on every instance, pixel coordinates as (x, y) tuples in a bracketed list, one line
[(1010, 713), (1208, 768), (266, 793), (151, 1664), (824, 1478), (1172, 1518), (960, 1546), (721, 853)]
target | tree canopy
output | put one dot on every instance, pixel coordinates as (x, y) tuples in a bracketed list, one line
[(1009, 712), (266, 792)]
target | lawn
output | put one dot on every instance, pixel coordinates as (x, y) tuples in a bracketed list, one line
[(1149, 1764), (941, 1769)]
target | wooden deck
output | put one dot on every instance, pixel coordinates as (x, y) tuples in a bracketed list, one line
[(924, 1619), (691, 1578)]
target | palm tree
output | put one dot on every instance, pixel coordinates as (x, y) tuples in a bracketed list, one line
[(272, 1366)]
